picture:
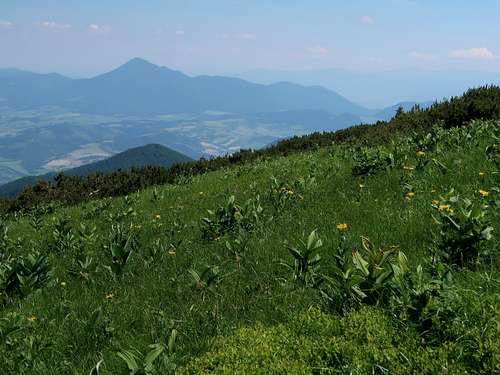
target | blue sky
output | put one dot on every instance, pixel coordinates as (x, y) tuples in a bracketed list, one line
[(84, 37)]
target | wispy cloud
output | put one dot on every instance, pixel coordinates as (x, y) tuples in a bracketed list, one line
[(180, 33), (317, 50), (99, 29), (422, 56), (367, 20), (55, 26), (478, 53), (6, 24)]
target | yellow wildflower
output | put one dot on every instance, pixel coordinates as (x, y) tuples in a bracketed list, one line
[(435, 202), (157, 216), (171, 252), (342, 226), (420, 153), (109, 296), (361, 186), (408, 168), (63, 283), (443, 207), (484, 193), (32, 318), (481, 173), (409, 195)]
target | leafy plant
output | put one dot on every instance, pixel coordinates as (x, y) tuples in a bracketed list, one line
[(231, 216), (306, 259), (64, 240), (140, 364), (120, 246), (464, 226), (368, 161), (420, 302), (281, 194), (369, 276), (21, 276)]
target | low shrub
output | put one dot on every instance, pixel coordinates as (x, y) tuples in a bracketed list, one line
[(361, 342)]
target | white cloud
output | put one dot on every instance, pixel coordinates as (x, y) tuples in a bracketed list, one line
[(180, 33), (55, 26), (479, 53), (317, 50), (99, 29), (367, 20), (422, 56), (6, 24)]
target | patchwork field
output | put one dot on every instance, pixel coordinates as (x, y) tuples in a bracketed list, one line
[(35, 142)]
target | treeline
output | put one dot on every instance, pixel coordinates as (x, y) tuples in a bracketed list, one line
[(478, 103)]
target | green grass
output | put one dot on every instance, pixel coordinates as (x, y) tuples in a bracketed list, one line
[(251, 317)]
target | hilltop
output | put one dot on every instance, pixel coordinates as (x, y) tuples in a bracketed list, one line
[(372, 250), (148, 155)]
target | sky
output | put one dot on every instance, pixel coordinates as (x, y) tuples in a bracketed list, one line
[(86, 37)]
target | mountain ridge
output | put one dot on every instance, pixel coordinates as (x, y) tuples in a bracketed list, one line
[(139, 87)]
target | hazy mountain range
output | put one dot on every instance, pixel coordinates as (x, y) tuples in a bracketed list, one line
[(139, 88), (382, 89)]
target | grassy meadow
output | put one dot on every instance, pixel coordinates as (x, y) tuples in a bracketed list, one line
[(343, 260)]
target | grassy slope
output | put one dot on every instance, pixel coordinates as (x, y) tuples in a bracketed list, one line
[(141, 306)]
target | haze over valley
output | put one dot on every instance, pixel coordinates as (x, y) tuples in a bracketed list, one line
[(49, 122)]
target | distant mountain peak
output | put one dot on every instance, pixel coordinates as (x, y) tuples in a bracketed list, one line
[(138, 66), (137, 61)]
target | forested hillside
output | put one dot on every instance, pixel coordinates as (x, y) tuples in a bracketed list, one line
[(145, 156)]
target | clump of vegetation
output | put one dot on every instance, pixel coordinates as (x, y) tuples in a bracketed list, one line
[(121, 244), (22, 275), (371, 160), (464, 227), (231, 216), (370, 276)]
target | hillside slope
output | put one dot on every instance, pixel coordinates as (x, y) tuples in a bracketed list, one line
[(148, 155), (377, 259)]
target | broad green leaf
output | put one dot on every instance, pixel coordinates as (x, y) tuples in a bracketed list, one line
[(130, 358), (156, 350), (360, 263)]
